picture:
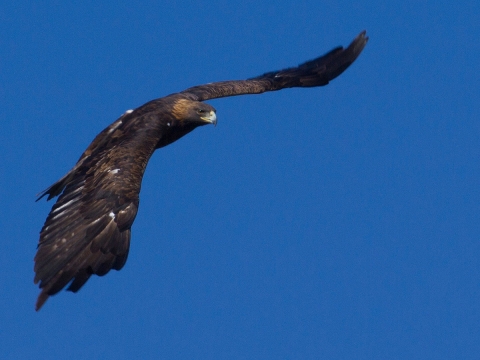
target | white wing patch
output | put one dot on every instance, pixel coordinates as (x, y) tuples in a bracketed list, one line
[(115, 125), (112, 215), (59, 214), (63, 206)]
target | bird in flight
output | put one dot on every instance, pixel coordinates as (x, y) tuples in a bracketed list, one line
[(87, 232)]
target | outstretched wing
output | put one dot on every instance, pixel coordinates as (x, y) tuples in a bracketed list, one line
[(88, 229), (317, 72)]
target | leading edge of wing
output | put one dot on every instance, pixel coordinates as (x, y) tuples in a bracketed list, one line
[(317, 72)]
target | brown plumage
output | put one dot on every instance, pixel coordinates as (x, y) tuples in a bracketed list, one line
[(88, 229)]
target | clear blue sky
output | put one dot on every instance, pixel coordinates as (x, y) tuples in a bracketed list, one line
[(340, 222)]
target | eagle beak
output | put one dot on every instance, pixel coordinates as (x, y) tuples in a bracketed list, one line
[(211, 118)]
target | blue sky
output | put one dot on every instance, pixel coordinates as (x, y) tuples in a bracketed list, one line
[(338, 222)]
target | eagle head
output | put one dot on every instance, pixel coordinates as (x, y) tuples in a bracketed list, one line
[(197, 113)]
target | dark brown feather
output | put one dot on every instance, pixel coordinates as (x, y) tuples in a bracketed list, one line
[(317, 72), (87, 232)]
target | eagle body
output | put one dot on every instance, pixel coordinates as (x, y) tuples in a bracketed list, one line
[(88, 229)]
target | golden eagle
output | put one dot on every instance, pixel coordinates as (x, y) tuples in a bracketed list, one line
[(88, 229)]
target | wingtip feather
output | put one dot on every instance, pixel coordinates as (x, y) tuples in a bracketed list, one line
[(42, 298)]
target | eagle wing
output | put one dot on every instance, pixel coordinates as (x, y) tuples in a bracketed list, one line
[(317, 72), (88, 229)]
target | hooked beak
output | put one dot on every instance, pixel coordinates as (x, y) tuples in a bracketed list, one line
[(211, 118)]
